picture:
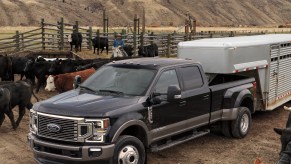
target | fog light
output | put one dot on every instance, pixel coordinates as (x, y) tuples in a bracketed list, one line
[(95, 152)]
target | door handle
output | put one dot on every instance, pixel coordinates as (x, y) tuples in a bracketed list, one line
[(182, 103), (205, 97)]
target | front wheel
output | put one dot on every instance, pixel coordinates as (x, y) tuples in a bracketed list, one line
[(241, 125), (129, 150)]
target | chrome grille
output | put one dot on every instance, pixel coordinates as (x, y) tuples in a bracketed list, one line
[(69, 127)]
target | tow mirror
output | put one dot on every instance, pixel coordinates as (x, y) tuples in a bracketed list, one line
[(174, 93), (77, 81)]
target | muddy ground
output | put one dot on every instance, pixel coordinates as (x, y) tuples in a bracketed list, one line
[(261, 143)]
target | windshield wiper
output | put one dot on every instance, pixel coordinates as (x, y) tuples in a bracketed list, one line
[(110, 91), (87, 88)]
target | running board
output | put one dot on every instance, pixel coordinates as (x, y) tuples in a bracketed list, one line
[(171, 143)]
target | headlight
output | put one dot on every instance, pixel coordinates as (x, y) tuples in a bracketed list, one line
[(33, 121), (99, 129)]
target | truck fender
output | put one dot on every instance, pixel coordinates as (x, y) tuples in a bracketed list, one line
[(131, 119), (241, 96), (230, 111)]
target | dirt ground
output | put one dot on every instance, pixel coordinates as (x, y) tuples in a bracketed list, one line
[(262, 143)]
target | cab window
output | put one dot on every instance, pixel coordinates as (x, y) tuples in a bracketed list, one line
[(166, 79)]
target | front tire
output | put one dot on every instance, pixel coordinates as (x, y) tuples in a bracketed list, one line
[(241, 125), (129, 150)]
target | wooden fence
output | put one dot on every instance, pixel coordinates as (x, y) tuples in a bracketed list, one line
[(54, 37)]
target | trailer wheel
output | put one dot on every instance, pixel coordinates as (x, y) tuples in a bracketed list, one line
[(129, 150), (241, 125)]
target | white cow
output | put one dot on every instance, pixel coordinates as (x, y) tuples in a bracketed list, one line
[(50, 85)]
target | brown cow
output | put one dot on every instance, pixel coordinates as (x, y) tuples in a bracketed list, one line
[(64, 82)]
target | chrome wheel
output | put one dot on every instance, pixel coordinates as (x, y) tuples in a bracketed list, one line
[(128, 155), (244, 123)]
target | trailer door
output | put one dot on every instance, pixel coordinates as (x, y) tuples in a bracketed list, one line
[(273, 74), (284, 77)]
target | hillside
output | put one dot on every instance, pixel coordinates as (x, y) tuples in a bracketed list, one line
[(158, 12)]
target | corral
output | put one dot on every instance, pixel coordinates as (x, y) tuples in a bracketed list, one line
[(261, 143)]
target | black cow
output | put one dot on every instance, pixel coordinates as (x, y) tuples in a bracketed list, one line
[(128, 49), (100, 45), (75, 39), (13, 94), (39, 69), (62, 66), (285, 153), (5, 68), (95, 65), (18, 65), (148, 51)]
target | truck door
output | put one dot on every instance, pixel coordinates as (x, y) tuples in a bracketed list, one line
[(166, 113), (273, 74), (196, 94)]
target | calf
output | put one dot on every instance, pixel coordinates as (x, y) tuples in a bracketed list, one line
[(62, 66), (75, 39), (15, 94), (64, 82), (148, 51), (128, 49), (100, 43), (18, 65), (39, 69), (5, 68)]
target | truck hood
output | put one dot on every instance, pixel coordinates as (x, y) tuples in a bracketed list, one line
[(77, 104)]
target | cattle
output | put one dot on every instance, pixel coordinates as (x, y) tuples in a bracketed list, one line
[(148, 51), (15, 94), (64, 82), (285, 153), (5, 68), (100, 43), (75, 39), (128, 49), (95, 65), (39, 69), (18, 65), (59, 66)]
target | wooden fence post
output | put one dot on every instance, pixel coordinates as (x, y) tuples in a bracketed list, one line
[(17, 41), (61, 34), (77, 26), (168, 45), (142, 28), (104, 22), (134, 34), (98, 37), (42, 34), (152, 38), (22, 42), (90, 38)]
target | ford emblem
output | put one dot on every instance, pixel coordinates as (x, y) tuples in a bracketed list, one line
[(54, 127)]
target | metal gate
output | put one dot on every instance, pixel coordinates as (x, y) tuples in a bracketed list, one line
[(273, 75), (284, 75)]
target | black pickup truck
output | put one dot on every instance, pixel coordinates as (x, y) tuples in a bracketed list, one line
[(128, 107)]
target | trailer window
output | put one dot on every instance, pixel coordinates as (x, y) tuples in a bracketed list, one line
[(192, 78)]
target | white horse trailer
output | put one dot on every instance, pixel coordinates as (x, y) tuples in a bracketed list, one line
[(267, 58)]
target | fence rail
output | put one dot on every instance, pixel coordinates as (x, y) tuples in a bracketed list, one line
[(51, 36)]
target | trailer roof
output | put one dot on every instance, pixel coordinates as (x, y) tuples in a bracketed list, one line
[(240, 41)]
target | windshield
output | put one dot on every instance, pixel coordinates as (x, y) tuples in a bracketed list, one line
[(120, 80)]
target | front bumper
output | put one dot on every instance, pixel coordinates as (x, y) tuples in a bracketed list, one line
[(48, 152)]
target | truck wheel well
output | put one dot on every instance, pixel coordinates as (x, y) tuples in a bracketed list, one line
[(137, 132), (248, 102)]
